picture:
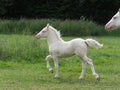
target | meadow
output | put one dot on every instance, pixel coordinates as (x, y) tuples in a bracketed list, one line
[(23, 65), (22, 57)]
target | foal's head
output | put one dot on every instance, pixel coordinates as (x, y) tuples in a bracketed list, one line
[(114, 22), (43, 32)]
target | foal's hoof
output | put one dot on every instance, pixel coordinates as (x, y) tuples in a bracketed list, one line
[(51, 70), (56, 76), (81, 78), (98, 78)]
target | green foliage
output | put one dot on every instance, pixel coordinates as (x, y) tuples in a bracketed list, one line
[(67, 27), (97, 10)]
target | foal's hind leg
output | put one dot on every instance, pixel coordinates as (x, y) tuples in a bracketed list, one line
[(48, 63), (89, 61), (83, 69)]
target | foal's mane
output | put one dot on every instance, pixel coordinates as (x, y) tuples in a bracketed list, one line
[(56, 32)]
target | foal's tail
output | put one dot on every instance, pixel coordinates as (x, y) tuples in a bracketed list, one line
[(93, 43)]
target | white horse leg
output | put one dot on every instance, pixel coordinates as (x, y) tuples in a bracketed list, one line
[(83, 69), (89, 61), (56, 67), (48, 63)]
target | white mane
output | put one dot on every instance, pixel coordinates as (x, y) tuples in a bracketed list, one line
[(57, 32)]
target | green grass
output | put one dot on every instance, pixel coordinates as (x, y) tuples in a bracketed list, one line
[(21, 47), (23, 66)]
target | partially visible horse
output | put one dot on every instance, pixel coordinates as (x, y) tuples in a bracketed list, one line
[(114, 22), (59, 48)]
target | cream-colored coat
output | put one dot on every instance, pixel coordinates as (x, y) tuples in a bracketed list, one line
[(60, 48)]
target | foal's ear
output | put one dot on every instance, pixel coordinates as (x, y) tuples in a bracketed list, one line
[(48, 25)]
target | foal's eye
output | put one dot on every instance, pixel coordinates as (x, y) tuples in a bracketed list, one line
[(114, 17), (43, 31)]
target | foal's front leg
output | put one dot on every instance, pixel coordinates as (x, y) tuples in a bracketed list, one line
[(56, 66), (48, 63)]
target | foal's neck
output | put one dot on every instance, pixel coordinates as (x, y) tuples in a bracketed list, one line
[(53, 37)]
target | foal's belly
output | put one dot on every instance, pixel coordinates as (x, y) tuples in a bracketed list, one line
[(62, 51), (65, 54)]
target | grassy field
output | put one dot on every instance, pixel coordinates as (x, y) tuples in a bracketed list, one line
[(23, 66)]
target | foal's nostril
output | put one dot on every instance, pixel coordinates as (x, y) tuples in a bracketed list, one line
[(37, 36)]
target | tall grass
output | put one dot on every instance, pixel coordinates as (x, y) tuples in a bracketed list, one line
[(67, 27), (21, 47)]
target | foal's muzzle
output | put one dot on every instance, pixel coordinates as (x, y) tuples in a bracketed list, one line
[(37, 36)]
